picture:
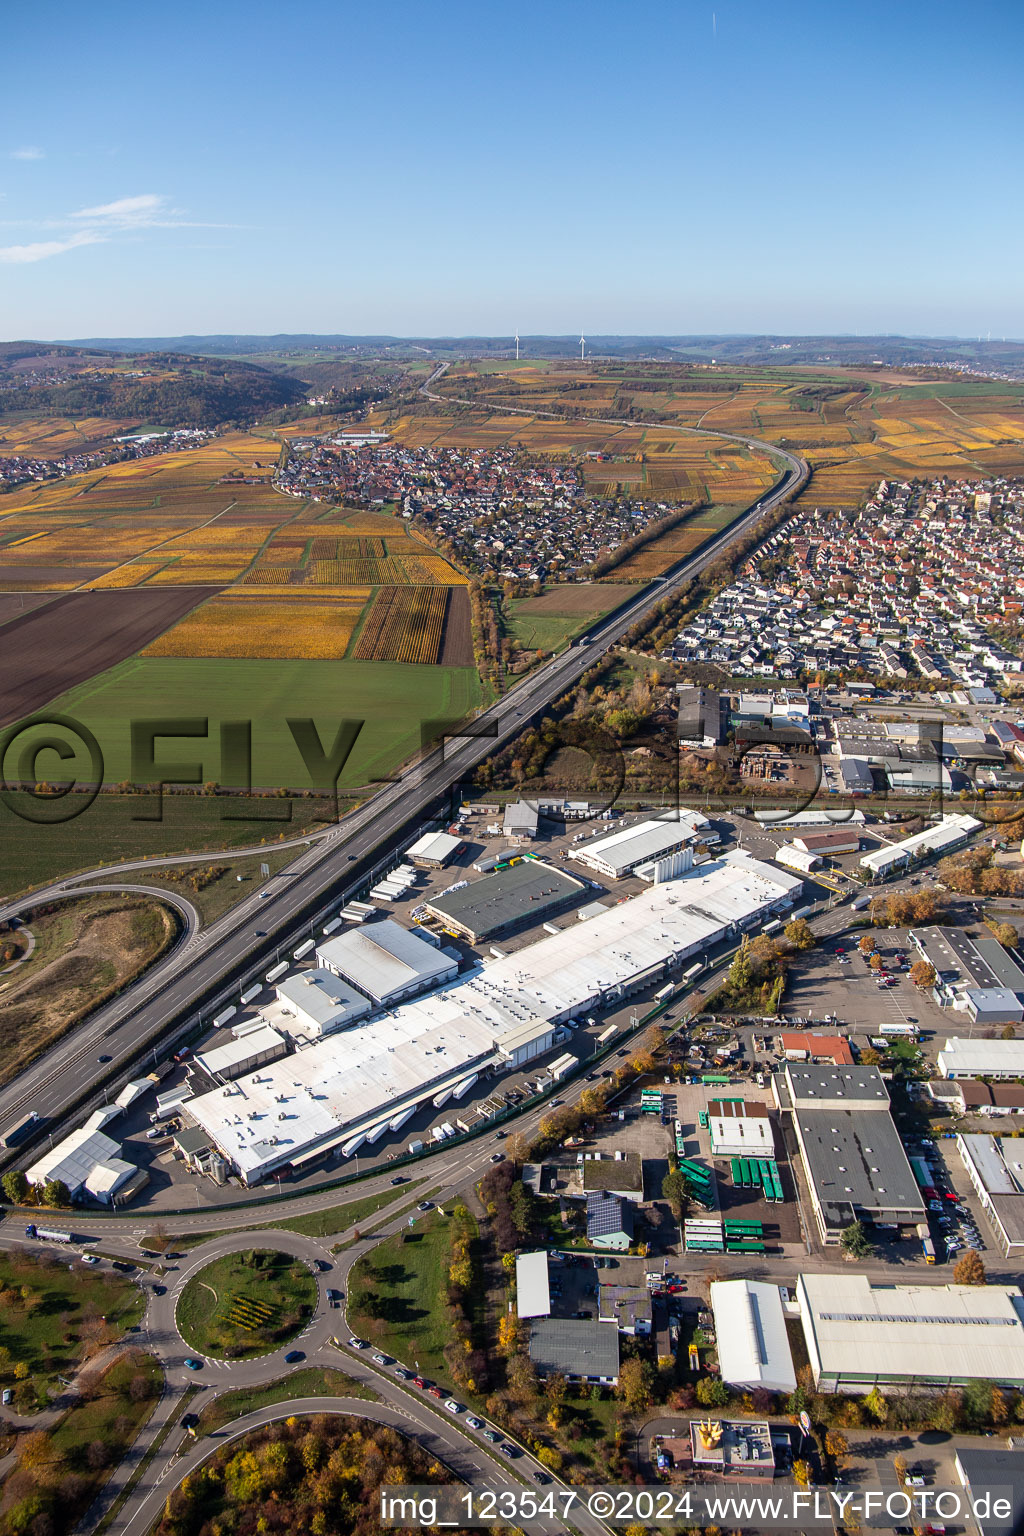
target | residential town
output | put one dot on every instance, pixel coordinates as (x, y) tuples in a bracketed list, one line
[(494, 510), (924, 583), (17, 468)]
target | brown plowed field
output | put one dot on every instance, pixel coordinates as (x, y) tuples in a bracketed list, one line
[(74, 637), (15, 605), (457, 636)]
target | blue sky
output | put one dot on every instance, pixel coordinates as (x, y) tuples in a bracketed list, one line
[(455, 168)]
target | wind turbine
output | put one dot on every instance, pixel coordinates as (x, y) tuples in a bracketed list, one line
[(583, 345), (517, 344)]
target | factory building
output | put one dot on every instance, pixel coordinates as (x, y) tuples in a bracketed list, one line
[(852, 1156), (256, 1048), (740, 1129), (750, 1327), (995, 1166), (981, 1058), (619, 854), (950, 833), (976, 976), (526, 893), (316, 1003), (860, 1335), (365, 1080), (386, 962)]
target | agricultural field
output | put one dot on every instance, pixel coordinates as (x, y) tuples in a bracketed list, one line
[(547, 622), (51, 437), (404, 624), (855, 426), (392, 699)]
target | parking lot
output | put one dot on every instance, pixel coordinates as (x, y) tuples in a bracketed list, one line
[(836, 981)]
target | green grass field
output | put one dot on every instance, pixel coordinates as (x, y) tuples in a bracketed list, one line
[(52, 1316), (406, 1277), (312, 1382), (546, 623), (246, 1304), (392, 700)]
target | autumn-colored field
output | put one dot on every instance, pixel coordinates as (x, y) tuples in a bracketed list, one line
[(51, 437), (263, 628), (854, 426), (404, 624)]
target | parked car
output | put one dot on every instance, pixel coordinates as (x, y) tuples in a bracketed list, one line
[(358, 1344), (193, 1365), (453, 1406), (418, 1381), (474, 1423), (492, 1435)]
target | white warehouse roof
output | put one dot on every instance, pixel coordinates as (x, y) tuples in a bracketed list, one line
[(435, 847), (623, 850), (223, 1057), (949, 831), (856, 1331), (86, 1160), (981, 1058), (384, 960), (353, 1079), (533, 1296), (750, 1325), (325, 1000)]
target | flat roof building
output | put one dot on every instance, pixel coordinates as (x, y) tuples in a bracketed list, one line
[(750, 1327), (951, 832), (740, 1129), (581, 1349), (237, 1057), (505, 1013), (533, 1293), (993, 1478), (860, 1335), (321, 1002), (387, 962), (622, 1176), (618, 854), (434, 849), (852, 1156), (981, 1058), (526, 893), (995, 1166)]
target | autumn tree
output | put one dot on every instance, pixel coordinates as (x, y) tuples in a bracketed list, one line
[(1007, 935), (867, 945), (15, 1186), (636, 1378), (673, 1189), (922, 973), (799, 933), (970, 1269), (836, 1445)]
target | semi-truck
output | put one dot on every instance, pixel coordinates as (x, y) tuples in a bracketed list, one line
[(47, 1234), (21, 1129)]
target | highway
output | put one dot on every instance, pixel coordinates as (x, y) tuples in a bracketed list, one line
[(252, 933)]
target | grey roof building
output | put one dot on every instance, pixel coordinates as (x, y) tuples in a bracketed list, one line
[(976, 973), (853, 1159), (580, 1348), (387, 962), (321, 1001), (524, 894), (521, 820), (1000, 1475)]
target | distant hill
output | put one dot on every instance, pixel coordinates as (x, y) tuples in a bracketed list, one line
[(165, 387), (749, 349)]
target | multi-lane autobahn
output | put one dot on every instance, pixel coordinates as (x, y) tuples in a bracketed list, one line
[(251, 935)]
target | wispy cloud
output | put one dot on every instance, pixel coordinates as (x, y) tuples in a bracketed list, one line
[(102, 223), (28, 152), (41, 250), (140, 212)]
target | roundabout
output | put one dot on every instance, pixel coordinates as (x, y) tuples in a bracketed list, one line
[(246, 1303)]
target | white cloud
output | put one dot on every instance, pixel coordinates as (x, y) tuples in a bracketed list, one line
[(28, 152), (128, 212), (42, 249)]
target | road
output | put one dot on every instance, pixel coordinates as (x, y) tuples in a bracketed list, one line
[(63, 1079)]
